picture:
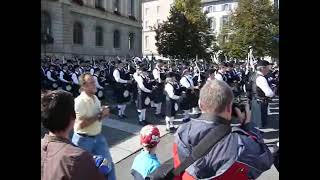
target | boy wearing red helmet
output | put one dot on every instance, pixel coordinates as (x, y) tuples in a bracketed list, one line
[(146, 162)]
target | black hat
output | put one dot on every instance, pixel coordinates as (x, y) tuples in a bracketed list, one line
[(262, 63), (223, 64), (171, 74), (211, 71), (118, 61)]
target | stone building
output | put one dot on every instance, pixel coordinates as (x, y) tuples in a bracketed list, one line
[(91, 28)]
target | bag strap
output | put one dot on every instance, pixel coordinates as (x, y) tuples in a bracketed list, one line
[(204, 146)]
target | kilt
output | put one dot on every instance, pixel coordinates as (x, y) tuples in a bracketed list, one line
[(157, 93), (122, 93), (143, 100), (172, 107), (189, 100), (256, 113)]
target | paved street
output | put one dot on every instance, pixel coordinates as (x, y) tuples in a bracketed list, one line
[(123, 139)]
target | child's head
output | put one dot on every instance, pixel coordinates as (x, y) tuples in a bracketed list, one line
[(149, 137)]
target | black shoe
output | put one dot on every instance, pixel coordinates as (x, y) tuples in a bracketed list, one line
[(124, 116), (159, 115), (172, 130), (142, 123), (119, 117), (185, 120)]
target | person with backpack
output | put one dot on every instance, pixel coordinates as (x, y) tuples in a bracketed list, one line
[(241, 154)]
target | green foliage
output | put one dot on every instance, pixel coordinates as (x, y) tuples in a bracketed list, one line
[(254, 23), (185, 34)]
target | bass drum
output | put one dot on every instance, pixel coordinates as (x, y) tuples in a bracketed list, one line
[(55, 85), (68, 88), (100, 94), (126, 93), (147, 101)]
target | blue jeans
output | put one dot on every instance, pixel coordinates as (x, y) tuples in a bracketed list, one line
[(96, 146)]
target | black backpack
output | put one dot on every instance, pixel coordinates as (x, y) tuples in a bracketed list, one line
[(167, 172)]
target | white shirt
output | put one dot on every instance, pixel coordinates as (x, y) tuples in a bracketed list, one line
[(169, 89), (92, 71), (139, 80), (135, 75), (97, 83), (49, 76), (75, 79), (262, 83), (218, 76), (187, 82), (116, 75), (61, 77), (156, 74)]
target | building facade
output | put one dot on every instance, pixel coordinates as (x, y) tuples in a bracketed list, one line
[(219, 12), (90, 28), (154, 12)]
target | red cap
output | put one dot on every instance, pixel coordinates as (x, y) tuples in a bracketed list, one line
[(149, 136)]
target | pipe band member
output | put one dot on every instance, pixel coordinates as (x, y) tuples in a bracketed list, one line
[(121, 89), (173, 93), (144, 92)]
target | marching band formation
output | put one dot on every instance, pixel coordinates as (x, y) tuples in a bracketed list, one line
[(151, 83)]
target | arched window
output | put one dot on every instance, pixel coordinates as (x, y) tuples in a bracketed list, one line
[(131, 41), (77, 33), (99, 36), (45, 23), (116, 39)]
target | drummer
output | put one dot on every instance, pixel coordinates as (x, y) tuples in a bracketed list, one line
[(51, 76), (188, 98), (121, 90), (65, 78), (159, 76)]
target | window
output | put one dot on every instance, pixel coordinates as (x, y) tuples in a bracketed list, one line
[(99, 36), (147, 10), (210, 23), (213, 24), (226, 7), (116, 5), (77, 33), (116, 39), (146, 44), (225, 20), (146, 25), (45, 23), (158, 22), (131, 7), (131, 41), (209, 9), (158, 9)]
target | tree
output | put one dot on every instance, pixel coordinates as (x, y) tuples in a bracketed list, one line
[(254, 23), (185, 34)]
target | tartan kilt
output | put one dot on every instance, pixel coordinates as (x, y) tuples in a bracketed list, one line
[(172, 107), (122, 93), (143, 100)]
